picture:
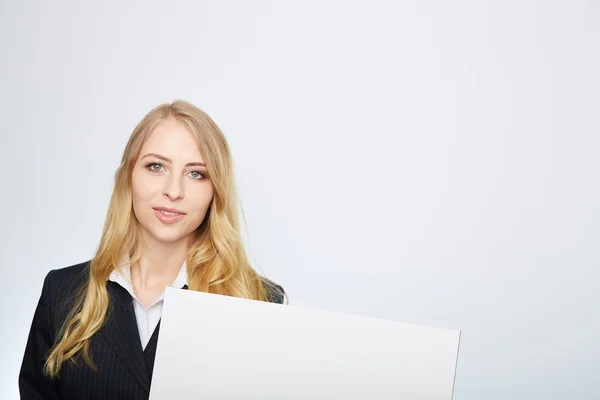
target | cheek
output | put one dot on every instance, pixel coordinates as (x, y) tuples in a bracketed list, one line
[(201, 198), (138, 201), (142, 191), (142, 188), (138, 196)]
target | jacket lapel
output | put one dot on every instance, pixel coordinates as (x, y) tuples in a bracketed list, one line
[(121, 332)]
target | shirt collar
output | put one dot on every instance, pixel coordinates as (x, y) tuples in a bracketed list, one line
[(123, 278)]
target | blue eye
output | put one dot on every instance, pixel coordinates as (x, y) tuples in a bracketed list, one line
[(197, 175), (152, 166)]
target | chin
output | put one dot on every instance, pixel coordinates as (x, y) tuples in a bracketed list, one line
[(163, 235)]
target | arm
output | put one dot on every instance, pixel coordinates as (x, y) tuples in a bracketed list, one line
[(33, 383)]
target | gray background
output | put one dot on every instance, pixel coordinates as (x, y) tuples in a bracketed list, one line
[(428, 162)]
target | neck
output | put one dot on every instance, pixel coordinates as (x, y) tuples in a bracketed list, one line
[(159, 262)]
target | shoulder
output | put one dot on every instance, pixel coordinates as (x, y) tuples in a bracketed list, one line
[(273, 292), (60, 291), (62, 283), (73, 274)]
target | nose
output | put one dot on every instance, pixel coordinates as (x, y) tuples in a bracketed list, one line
[(173, 188)]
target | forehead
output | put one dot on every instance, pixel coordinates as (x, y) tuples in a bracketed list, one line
[(172, 139)]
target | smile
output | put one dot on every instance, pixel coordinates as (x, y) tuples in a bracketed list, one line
[(167, 212), (168, 216)]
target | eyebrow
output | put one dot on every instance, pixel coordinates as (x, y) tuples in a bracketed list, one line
[(193, 164)]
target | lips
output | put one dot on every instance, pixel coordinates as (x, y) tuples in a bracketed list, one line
[(169, 210), (168, 215)]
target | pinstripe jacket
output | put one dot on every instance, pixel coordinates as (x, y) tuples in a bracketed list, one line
[(124, 369)]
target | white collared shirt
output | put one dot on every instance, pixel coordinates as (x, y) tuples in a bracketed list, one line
[(146, 318)]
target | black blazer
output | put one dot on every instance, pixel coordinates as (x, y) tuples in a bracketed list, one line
[(124, 368)]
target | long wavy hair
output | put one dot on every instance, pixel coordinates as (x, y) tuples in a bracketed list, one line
[(216, 261)]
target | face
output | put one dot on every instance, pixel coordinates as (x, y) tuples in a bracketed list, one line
[(170, 185)]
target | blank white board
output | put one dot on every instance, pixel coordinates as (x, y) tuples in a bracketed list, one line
[(220, 347)]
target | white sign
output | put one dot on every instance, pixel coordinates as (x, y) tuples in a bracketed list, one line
[(221, 347)]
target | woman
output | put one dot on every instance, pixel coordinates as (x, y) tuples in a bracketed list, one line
[(172, 221)]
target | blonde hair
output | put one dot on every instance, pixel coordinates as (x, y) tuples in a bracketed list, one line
[(216, 262)]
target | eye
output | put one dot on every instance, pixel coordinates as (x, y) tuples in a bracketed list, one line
[(197, 175), (156, 167)]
